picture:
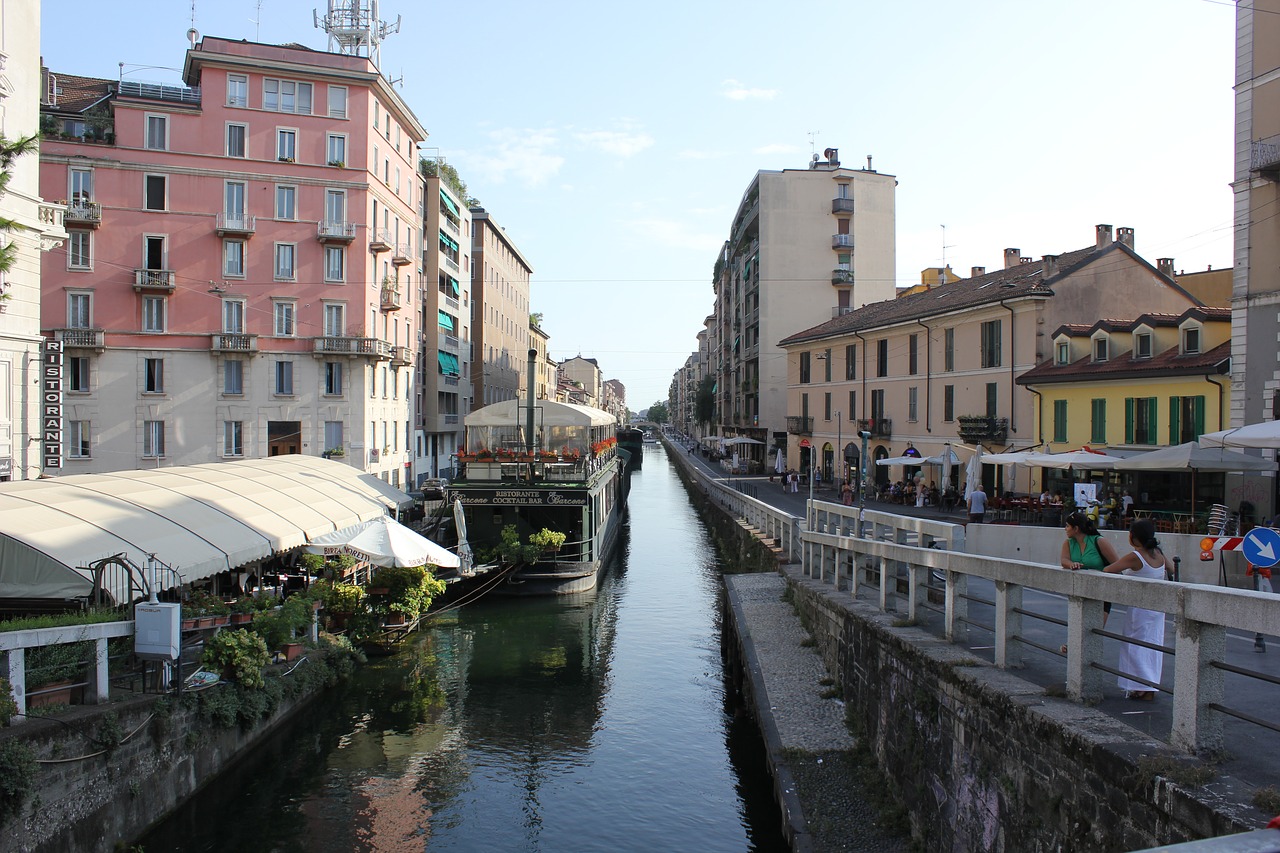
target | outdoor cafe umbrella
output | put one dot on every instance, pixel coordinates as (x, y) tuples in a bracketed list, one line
[(742, 439), (1071, 460), (780, 463), (973, 472), (384, 541), (1192, 457), (1265, 435), (465, 557), (945, 459)]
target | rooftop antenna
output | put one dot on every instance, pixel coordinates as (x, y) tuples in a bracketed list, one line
[(945, 246), (257, 23), (354, 28), (813, 142)]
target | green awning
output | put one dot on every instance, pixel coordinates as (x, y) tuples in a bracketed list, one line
[(446, 321), (453, 285), (448, 363), (448, 202), (448, 241)]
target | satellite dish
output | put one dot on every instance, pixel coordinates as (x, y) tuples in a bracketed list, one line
[(193, 36)]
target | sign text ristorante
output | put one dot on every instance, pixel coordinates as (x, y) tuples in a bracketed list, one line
[(520, 497), (51, 404)]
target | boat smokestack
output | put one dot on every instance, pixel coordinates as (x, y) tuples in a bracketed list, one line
[(528, 430)]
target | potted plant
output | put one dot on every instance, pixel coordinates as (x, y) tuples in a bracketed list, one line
[(243, 609), (239, 655), (409, 589), (340, 164), (334, 453), (548, 540)]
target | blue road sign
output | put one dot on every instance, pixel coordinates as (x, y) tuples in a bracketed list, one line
[(1261, 547)]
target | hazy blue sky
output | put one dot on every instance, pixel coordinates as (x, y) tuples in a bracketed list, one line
[(614, 141)]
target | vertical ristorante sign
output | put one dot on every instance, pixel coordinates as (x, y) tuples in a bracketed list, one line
[(51, 404)]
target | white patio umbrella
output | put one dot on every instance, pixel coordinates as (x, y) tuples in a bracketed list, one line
[(973, 472), (901, 460), (742, 439), (384, 541), (465, 557), (1192, 457), (780, 463), (945, 460), (1071, 460), (1265, 435)]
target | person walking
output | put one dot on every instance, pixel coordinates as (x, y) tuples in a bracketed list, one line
[(1145, 561), (977, 504)]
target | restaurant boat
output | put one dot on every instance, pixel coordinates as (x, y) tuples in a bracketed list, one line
[(538, 465)]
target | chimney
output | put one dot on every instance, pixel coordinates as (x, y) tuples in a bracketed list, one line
[(1026, 259), (1165, 265), (1011, 258), (974, 272), (1050, 267), (1125, 235), (1104, 235)]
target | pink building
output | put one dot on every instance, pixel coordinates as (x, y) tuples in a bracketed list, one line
[(243, 262)]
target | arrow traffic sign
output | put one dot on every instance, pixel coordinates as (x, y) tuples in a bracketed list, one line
[(1262, 547)]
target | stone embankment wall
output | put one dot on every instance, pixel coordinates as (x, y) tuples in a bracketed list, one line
[(108, 772)]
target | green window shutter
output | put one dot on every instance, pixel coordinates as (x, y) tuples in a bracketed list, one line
[(1059, 420), (1128, 420), (1199, 415), (1175, 415), (1098, 434), (1151, 421)]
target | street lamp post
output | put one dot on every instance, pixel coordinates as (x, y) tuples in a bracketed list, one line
[(839, 457), (862, 478)]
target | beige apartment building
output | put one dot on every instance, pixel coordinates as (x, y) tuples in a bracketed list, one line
[(1255, 372), (806, 245), (939, 367), (615, 399), (584, 375), (499, 312), (545, 368)]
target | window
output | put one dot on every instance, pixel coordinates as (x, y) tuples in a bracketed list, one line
[(285, 255), (332, 435), (284, 319), (913, 407), (233, 376), (233, 202), (286, 145), (851, 363), (1191, 340), (1142, 345), (81, 191), (948, 403), (336, 150), (948, 350), (236, 135), (804, 367), (79, 313), (153, 314), (334, 262), (284, 378), (286, 203), (826, 406), (991, 343), (155, 192), (1100, 349), (337, 102), (1098, 421), (77, 373), (1064, 353), (237, 90), (333, 378), (233, 316), (913, 355), (335, 206), (1140, 420), (1186, 419), (154, 252), (286, 96), (157, 132), (77, 435), (233, 258), (78, 250), (335, 320), (233, 438), (153, 439), (1059, 420), (153, 376), (993, 397), (882, 358), (877, 407), (853, 406), (826, 365)]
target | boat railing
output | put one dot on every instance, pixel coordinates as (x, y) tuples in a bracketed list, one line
[(558, 470)]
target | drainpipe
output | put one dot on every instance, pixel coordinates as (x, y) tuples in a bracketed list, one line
[(928, 378), (1039, 414), (1013, 427), (864, 374), (1222, 392), (528, 428)]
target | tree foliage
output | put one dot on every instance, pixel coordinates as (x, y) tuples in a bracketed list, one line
[(10, 151), (704, 409), (659, 413), (448, 174)]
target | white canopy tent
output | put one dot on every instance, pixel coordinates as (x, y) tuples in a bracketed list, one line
[(1265, 435), (1071, 460), (1193, 457), (383, 541), (198, 519), (549, 414), (916, 461)]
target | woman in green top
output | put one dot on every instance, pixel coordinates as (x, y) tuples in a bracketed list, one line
[(1085, 549)]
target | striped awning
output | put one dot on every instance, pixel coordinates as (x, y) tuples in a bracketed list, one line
[(448, 363), (448, 202), (446, 321), (448, 241)]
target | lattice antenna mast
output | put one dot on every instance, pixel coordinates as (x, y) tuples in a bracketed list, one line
[(354, 28)]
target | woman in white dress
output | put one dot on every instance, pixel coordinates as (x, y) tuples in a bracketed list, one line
[(1145, 561)]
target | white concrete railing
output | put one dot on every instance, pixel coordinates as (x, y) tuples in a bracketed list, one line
[(894, 548), (15, 643)]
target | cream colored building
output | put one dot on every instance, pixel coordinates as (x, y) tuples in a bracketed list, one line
[(805, 245), (27, 445), (500, 312), (615, 399), (545, 368), (1255, 298), (584, 374), (940, 367)]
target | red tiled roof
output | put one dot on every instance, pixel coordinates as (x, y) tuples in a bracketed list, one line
[(76, 94), (1168, 363)]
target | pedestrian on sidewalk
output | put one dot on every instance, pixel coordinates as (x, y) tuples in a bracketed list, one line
[(846, 494), (977, 504)]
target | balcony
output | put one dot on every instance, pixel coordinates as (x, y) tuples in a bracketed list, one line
[(342, 345), (84, 214), (390, 298), (450, 263), (379, 240), (841, 275), (878, 427), (448, 343), (842, 205), (401, 356), (81, 339), (402, 255), (164, 280), (332, 231), (233, 342), (842, 241), (236, 225), (799, 425), (1264, 158), (982, 428)]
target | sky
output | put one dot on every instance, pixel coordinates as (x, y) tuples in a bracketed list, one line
[(614, 142)]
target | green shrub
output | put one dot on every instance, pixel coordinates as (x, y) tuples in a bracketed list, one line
[(409, 588), (8, 705), (279, 626), (338, 597), (240, 653), (17, 776)]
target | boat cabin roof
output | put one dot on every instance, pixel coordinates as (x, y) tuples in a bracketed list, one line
[(507, 413)]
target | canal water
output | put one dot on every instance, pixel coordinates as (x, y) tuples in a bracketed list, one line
[(599, 723)]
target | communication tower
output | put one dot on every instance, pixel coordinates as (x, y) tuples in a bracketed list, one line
[(354, 28)]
